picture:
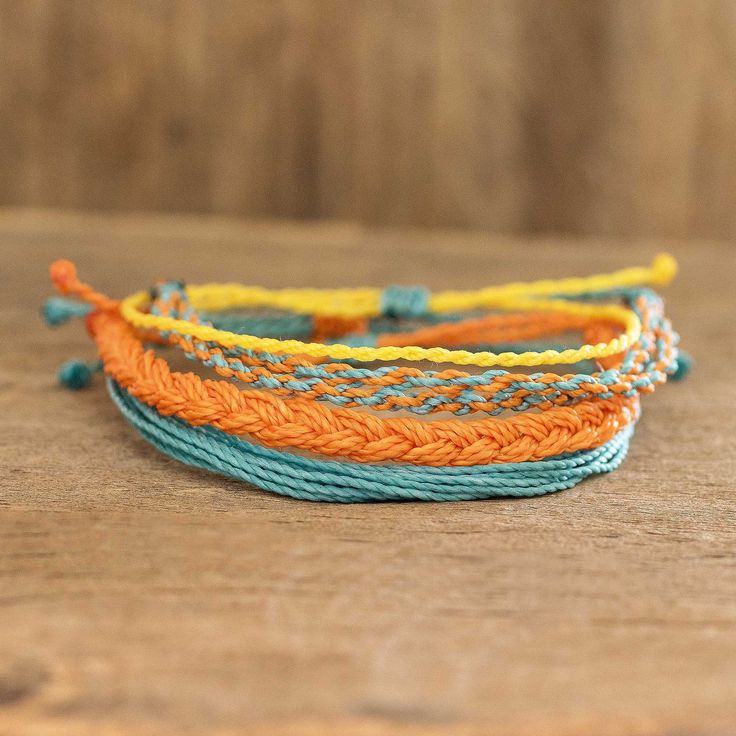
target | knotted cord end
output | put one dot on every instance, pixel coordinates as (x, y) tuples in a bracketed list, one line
[(684, 365), (58, 310), (63, 273), (664, 269), (76, 374)]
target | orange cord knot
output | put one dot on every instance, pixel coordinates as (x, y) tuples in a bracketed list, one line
[(64, 277), (63, 273)]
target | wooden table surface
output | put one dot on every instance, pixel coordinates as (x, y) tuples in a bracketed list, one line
[(140, 596)]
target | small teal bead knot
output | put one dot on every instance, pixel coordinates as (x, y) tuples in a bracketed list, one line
[(58, 310), (404, 301), (684, 364), (75, 374)]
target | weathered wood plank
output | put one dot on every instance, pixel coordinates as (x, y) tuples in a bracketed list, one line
[(518, 115), (139, 596)]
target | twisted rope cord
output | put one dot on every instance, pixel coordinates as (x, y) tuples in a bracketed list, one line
[(131, 308), (512, 296)]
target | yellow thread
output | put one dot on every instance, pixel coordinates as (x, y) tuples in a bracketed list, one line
[(662, 271), (348, 303), (351, 303), (131, 310)]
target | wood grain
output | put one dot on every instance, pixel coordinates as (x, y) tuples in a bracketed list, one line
[(140, 596), (574, 116)]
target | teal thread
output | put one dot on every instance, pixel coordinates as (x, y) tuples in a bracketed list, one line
[(281, 326)]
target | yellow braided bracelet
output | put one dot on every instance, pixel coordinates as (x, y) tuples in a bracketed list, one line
[(367, 302)]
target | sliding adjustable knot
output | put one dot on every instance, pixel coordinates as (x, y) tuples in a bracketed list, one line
[(171, 298), (404, 301)]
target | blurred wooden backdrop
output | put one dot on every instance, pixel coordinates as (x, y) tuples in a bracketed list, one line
[(581, 116)]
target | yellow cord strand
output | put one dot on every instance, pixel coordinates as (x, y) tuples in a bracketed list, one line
[(352, 303), (661, 272)]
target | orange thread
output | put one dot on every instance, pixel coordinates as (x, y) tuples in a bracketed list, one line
[(328, 328), (490, 329)]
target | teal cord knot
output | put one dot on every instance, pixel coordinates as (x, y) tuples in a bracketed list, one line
[(404, 301), (684, 364), (76, 374), (58, 310)]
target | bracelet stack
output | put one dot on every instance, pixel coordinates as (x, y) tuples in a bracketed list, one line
[(367, 394)]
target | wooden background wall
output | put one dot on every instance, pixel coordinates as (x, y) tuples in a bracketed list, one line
[(581, 116)]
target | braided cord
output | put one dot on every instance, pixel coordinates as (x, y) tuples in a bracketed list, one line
[(131, 310)]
